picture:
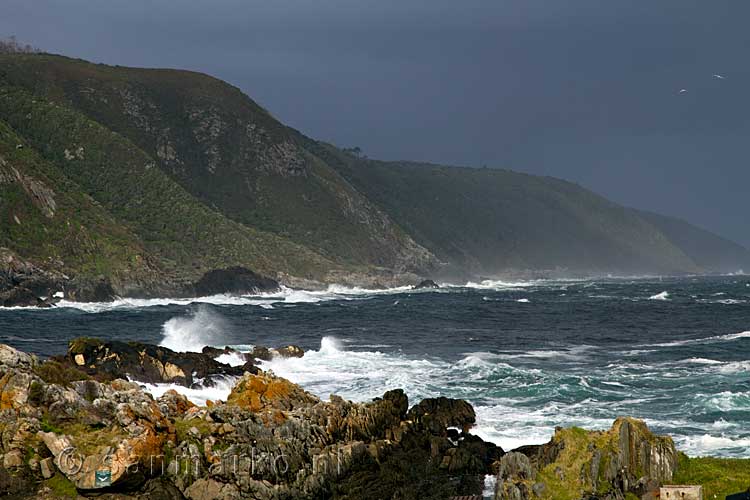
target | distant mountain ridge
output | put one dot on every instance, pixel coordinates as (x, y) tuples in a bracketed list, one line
[(150, 178)]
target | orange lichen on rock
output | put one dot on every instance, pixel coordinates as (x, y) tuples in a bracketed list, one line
[(264, 391), (7, 395)]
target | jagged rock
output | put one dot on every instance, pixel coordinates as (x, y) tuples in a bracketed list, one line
[(235, 280), (258, 352), (22, 284), (627, 459), (22, 297), (333, 448), (209, 489), (263, 391), (13, 359), (90, 290), (379, 419), (126, 448), (426, 284), (47, 467), (261, 353), (437, 414), (13, 459), (172, 404), (290, 351), (544, 454), (15, 388), (146, 363), (514, 473)]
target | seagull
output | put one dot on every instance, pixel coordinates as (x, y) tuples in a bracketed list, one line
[(719, 77), (683, 91)]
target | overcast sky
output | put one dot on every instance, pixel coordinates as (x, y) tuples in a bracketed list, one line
[(586, 90)]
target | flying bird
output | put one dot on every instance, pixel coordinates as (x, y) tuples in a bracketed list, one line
[(683, 91), (719, 77)]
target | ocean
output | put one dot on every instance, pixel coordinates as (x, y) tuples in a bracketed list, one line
[(528, 355)]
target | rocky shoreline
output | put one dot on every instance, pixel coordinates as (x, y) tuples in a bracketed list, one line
[(81, 424), (26, 284)]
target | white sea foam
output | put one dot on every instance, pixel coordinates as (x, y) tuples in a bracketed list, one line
[(232, 359), (708, 445), (490, 481), (715, 338), (702, 361), (734, 367), (199, 396), (266, 300), (660, 296), (499, 285), (727, 401), (193, 332), (571, 353)]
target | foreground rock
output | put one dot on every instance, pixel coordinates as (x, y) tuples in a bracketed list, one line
[(67, 428), (606, 465), (63, 431)]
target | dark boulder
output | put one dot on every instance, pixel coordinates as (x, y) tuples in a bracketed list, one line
[(235, 280), (262, 353), (21, 297), (437, 414), (23, 284), (426, 284), (289, 351), (90, 290), (147, 363)]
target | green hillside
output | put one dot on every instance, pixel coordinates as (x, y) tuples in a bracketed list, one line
[(226, 151), (47, 218), (150, 178), (487, 220), (183, 237)]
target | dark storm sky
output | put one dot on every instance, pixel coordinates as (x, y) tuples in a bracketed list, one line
[(586, 90)]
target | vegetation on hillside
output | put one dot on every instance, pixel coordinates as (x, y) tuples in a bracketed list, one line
[(158, 176), (490, 219), (184, 237), (228, 152)]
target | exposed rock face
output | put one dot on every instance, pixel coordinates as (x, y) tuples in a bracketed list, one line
[(265, 392), (441, 413), (12, 359), (23, 284), (607, 465), (271, 440), (90, 290), (236, 280), (147, 363)]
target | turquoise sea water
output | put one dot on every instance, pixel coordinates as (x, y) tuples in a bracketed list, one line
[(528, 355)]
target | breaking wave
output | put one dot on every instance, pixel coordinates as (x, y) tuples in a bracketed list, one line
[(198, 395), (515, 404), (191, 333), (266, 300), (706, 340)]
